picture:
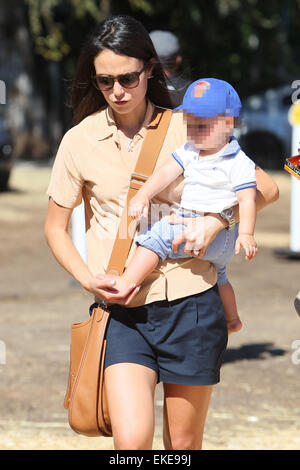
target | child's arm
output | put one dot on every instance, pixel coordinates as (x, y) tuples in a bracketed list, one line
[(247, 210), (160, 179)]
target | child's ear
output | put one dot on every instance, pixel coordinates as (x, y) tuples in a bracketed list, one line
[(229, 120)]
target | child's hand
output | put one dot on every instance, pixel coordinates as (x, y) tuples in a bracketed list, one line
[(138, 207), (248, 243)]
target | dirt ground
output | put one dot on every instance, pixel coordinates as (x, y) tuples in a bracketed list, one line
[(255, 406)]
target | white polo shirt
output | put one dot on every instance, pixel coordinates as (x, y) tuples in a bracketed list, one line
[(211, 183)]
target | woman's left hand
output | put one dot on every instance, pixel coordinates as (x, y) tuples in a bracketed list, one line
[(199, 233)]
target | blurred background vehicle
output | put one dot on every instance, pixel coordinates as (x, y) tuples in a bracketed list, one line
[(6, 153), (266, 133)]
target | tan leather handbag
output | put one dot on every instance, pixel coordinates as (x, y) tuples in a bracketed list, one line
[(86, 395)]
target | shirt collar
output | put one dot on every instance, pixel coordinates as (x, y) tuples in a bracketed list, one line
[(232, 148), (107, 125)]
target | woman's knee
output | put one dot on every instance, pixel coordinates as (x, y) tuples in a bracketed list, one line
[(133, 440), (186, 441)]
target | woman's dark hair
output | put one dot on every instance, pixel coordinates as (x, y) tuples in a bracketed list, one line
[(122, 34)]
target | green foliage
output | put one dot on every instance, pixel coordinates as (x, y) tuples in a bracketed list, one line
[(46, 19), (142, 5), (251, 43)]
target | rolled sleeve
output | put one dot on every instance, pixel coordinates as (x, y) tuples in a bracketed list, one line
[(243, 174), (66, 183)]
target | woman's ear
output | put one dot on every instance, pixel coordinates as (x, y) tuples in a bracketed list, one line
[(149, 69)]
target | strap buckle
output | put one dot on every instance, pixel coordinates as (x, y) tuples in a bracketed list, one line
[(137, 180), (103, 304), (138, 176)]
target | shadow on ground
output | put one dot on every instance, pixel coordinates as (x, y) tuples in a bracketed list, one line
[(252, 351)]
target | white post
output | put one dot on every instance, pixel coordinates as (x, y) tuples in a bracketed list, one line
[(294, 119), (78, 231), (295, 196)]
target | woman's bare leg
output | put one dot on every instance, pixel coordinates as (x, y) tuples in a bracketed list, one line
[(130, 392), (185, 410)]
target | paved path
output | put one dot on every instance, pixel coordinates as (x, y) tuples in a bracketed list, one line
[(257, 403)]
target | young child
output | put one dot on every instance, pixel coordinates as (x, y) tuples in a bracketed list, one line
[(217, 175)]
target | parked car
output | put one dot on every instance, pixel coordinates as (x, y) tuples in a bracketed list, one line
[(266, 135), (6, 154)]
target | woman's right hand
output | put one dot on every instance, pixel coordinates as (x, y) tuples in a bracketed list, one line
[(102, 286), (138, 207), (199, 233)]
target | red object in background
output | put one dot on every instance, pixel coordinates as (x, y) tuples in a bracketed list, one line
[(292, 165)]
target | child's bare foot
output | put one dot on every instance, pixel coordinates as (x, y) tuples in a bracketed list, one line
[(234, 325)]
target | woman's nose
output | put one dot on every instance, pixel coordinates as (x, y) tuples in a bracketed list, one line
[(118, 90)]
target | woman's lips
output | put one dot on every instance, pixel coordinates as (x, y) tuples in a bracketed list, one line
[(120, 103)]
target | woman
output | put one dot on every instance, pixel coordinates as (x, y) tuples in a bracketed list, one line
[(173, 330)]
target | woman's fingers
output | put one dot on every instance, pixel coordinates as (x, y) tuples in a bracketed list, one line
[(105, 282), (177, 241), (105, 288), (173, 219), (195, 247)]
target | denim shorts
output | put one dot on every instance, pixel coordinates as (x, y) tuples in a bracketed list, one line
[(183, 340), (160, 235)]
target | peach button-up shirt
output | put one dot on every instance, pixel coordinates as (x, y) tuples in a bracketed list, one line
[(91, 165)]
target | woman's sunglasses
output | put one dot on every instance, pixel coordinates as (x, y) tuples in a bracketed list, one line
[(126, 80)]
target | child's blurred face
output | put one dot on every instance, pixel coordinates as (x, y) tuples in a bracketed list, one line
[(209, 133)]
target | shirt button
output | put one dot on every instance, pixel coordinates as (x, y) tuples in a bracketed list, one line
[(151, 328)]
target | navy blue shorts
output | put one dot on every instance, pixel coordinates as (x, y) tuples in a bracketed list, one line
[(183, 340)]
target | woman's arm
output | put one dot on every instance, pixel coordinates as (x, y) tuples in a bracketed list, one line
[(62, 247), (266, 191)]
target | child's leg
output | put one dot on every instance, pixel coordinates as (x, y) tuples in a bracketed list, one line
[(143, 262), (154, 244), (229, 303)]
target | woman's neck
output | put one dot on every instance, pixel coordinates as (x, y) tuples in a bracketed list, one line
[(132, 122)]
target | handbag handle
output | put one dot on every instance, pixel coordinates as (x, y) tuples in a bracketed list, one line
[(144, 168)]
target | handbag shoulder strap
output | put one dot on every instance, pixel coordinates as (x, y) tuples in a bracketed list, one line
[(144, 168)]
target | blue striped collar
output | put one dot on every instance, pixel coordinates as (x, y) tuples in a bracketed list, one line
[(232, 148)]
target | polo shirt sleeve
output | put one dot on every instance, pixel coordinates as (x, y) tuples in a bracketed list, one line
[(182, 156), (242, 175), (66, 183)]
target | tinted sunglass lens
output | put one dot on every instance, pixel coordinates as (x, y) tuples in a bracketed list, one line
[(104, 83), (129, 80)]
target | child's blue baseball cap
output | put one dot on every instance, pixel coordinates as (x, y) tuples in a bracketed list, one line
[(210, 97)]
